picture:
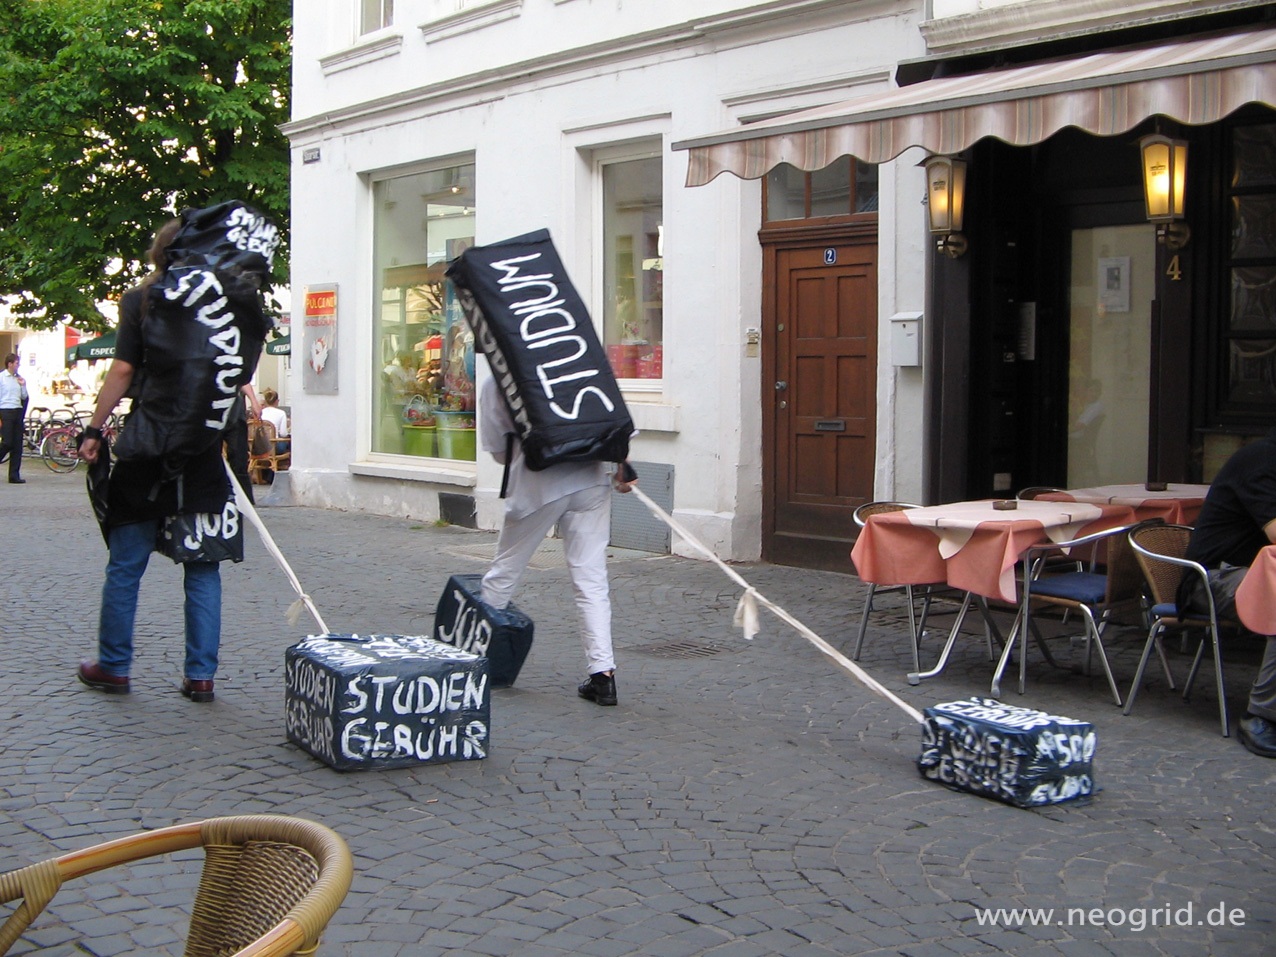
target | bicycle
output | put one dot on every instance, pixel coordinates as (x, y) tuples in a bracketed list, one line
[(60, 448)]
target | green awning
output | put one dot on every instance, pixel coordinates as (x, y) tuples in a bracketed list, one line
[(279, 347), (103, 347)]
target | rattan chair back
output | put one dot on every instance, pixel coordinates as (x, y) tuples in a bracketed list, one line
[(861, 514), (1163, 578), (269, 885)]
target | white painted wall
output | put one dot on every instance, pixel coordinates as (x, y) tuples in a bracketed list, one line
[(528, 89)]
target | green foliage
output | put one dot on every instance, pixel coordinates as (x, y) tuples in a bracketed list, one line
[(116, 114)]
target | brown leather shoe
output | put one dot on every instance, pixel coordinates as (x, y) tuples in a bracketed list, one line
[(197, 690), (91, 674)]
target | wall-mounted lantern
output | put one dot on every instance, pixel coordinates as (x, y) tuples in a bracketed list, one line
[(1164, 182), (946, 203)]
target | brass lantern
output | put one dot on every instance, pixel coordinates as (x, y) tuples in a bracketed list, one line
[(1164, 187), (946, 202)]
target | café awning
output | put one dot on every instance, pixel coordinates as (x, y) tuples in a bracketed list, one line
[(281, 346), (1193, 81), (103, 347)]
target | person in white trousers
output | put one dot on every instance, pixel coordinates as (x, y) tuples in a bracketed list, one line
[(576, 497)]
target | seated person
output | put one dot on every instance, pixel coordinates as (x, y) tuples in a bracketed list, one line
[(277, 417), (1237, 520)]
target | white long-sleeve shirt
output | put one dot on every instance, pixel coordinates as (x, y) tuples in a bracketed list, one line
[(529, 490), (13, 394)]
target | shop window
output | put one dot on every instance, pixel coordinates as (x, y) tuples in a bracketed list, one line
[(1251, 316), (846, 187), (423, 397), (633, 267), (375, 14)]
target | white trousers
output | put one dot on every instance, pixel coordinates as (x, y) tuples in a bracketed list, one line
[(584, 519)]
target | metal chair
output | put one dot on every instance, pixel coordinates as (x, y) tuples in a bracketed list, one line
[(1095, 594), (269, 885), (915, 625), (1161, 552)]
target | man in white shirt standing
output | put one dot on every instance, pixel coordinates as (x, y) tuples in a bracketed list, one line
[(576, 497), (13, 409)]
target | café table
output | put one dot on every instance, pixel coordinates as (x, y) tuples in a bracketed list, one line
[(971, 546), (1177, 504), (1256, 594)]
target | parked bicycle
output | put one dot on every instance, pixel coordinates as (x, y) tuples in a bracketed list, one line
[(60, 449), (39, 420)]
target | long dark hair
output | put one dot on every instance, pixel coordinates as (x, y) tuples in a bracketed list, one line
[(157, 254)]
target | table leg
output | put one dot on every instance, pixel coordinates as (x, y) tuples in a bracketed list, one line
[(1015, 630), (915, 677)]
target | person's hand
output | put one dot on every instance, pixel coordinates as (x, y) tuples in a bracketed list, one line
[(625, 477), (89, 450), (89, 445)]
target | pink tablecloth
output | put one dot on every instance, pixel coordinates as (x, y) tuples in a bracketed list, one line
[(1256, 596), (1178, 504), (969, 545)]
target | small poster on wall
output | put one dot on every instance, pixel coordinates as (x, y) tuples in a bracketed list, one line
[(1114, 284), (319, 343)]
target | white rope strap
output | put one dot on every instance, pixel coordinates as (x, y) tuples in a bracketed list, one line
[(303, 601), (746, 613)]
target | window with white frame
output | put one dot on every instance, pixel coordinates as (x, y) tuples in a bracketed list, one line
[(632, 192), (375, 14), (423, 397)]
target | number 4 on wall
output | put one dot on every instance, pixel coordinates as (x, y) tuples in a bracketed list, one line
[(1174, 270)]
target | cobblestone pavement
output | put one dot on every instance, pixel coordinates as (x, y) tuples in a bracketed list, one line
[(745, 798)]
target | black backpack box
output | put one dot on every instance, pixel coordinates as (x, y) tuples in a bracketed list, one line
[(538, 337), (503, 636)]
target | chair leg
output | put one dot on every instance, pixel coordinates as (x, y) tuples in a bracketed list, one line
[(1196, 667), (921, 622), (1218, 680), (1153, 636), (1165, 662), (1041, 643), (868, 606), (913, 633), (1094, 636)]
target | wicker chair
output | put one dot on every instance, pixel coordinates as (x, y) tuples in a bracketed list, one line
[(267, 453), (269, 885), (1161, 550)]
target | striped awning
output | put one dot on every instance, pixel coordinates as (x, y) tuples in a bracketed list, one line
[(1192, 81)]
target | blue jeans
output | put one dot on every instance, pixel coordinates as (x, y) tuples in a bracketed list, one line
[(130, 547)]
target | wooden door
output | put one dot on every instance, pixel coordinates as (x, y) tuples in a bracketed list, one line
[(822, 360)]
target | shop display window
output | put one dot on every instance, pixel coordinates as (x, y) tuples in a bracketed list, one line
[(423, 393), (633, 267)]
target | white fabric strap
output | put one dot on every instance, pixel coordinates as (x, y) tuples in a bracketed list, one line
[(746, 614), (246, 508)]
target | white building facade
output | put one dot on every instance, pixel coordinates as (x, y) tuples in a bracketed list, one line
[(789, 339), (560, 114)]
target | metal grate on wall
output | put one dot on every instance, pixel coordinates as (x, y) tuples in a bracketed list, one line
[(632, 524)]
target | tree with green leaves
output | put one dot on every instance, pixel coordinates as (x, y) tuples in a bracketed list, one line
[(117, 114)]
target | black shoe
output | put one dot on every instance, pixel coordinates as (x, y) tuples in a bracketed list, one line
[(1258, 734), (600, 689), (197, 690), (17, 481)]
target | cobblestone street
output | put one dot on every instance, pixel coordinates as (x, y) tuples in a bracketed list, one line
[(744, 798)]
